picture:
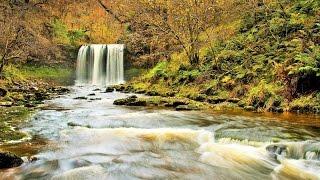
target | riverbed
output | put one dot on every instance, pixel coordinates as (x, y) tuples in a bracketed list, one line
[(94, 139)]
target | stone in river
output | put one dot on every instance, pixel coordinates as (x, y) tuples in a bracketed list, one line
[(8, 160)]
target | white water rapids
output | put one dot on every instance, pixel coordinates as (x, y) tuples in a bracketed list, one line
[(93, 139)]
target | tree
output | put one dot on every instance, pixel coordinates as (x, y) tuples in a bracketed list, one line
[(182, 21), (14, 39)]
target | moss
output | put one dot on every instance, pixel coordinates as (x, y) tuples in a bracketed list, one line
[(10, 120), (304, 104)]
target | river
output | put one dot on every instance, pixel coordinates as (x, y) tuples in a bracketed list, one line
[(94, 139)]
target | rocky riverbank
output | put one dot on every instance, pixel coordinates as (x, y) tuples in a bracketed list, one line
[(201, 101), (28, 94)]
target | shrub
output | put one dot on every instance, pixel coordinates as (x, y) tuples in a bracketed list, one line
[(265, 95)]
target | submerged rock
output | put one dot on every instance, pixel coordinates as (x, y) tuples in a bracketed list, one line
[(8, 160), (81, 98)]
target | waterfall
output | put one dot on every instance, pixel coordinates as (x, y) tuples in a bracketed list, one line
[(99, 64)]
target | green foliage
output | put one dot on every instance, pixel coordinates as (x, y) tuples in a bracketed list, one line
[(158, 71), (60, 31), (62, 35), (274, 51), (265, 95), (304, 103)]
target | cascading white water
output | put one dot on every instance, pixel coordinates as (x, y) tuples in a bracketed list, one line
[(115, 64), (100, 64)]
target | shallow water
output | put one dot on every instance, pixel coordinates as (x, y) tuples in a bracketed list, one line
[(112, 142)]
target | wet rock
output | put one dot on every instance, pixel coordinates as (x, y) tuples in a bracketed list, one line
[(8, 160), (33, 159), (3, 92), (137, 102), (233, 100), (81, 98), (109, 89), (95, 99), (249, 108), (186, 108), (216, 100), (133, 97), (72, 124), (131, 101), (277, 149)]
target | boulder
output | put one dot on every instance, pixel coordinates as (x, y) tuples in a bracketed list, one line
[(3, 92), (137, 102), (131, 101), (92, 94), (109, 89), (277, 149), (8, 160)]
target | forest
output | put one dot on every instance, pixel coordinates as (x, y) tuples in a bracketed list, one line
[(159, 89), (264, 53)]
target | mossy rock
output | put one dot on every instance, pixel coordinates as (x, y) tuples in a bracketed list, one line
[(9, 160)]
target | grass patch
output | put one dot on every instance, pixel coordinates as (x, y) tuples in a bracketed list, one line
[(59, 75)]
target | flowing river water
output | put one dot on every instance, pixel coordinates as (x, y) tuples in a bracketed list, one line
[(93, 139)]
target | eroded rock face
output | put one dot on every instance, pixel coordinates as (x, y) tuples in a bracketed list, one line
[(8, 160)]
